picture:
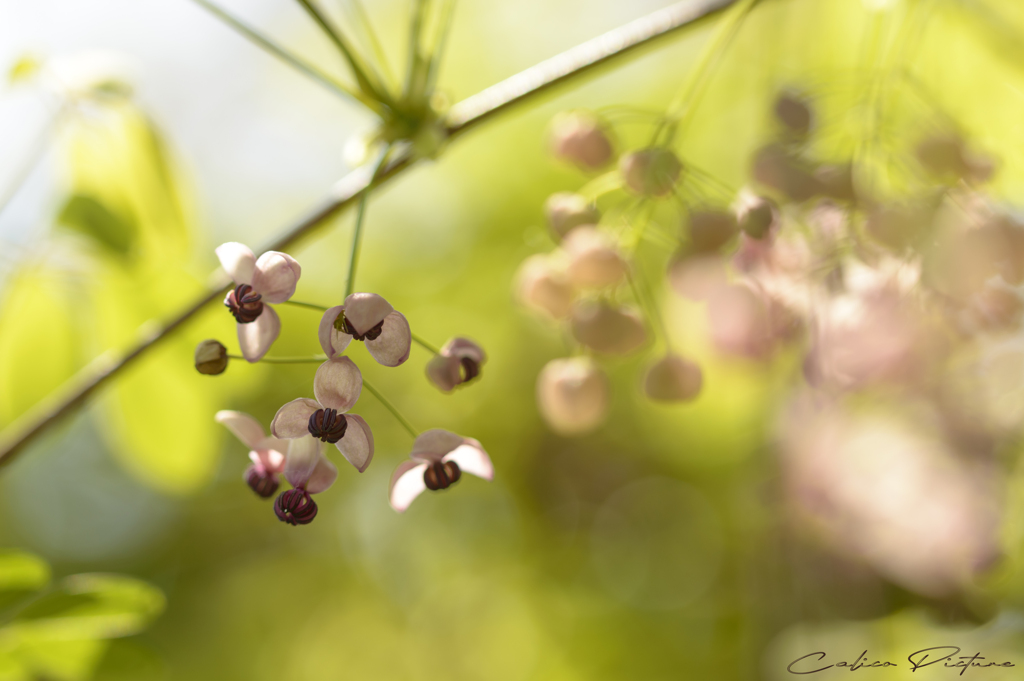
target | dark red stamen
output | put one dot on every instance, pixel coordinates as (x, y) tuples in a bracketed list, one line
[(295, 507), (261, 482), (470, 369), (441, 475), (341, 324), (244, 304), (327, 425)]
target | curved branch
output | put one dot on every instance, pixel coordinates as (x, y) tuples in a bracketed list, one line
[(464, 116)]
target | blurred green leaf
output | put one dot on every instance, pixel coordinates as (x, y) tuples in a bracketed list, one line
[(23, 69), (21, 573), (85, 214)]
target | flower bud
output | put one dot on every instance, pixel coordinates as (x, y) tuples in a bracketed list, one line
[(565, 211), (900, 226), (651, 172), (458, 362), (836, 182), (606, 329), (794, 113), (580, 137), (572, 395), (776, 168), (542, 286), (710, 230), (697, 277), (211, 358), (756, 215), (594, 259), (673, 379)]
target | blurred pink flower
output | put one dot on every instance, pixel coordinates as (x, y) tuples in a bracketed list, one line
[(458, 362), (369, 318), (270, 279), (266, 453), (439, 457), (572, 395)]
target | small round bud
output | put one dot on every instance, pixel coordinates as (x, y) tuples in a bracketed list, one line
[(572, 395), (594, 259), (606, 329), (565, 211), (756, 215), (295, 507), (776, 168), (543, 287), (710, 230), (211, 358), (673, 379), (651, 172), (794, 113), (261, 482), (580, 137), (836, 182)]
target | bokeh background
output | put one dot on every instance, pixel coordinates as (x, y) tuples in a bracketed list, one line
[(649, 550)]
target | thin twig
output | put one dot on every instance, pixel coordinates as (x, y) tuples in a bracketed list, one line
[(463, 117), (393, 409), (357, 232)]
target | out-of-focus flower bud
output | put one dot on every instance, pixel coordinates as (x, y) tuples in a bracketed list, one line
[(756, 215), (673, 379), (606, 329), (836, 182), (697, 277), (710, 230), (543, 286), (963, 257), (211, 358), (776, 168), (566, 211), (582, 139), (901, 226), (794, 113), (572, 395), (749, 323), (651, 172), (993, 308), (458, 362), (594, 258)]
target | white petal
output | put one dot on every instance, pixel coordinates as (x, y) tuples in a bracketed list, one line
[(434, 444), (471, 458), (292, 420), (276, 276), (363, 311), (357, 445), (246, 428), (322, 477), (303, 456), (337, 384), (406, 484), (237, 260), (391, 347), (255, 338), (331, 340)]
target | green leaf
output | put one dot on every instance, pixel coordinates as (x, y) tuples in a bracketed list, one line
[(21, 573), (87, 215)]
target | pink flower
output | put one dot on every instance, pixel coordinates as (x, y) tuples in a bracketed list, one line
[(266, 452), (336, 385), (458, 362), (270, 279), (439, 457), (369, 318), (309, 472)]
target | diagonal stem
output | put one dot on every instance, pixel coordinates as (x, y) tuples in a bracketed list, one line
[(357, 233), (464, 116), (393, 409)]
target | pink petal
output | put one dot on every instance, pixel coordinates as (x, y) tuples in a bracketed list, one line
[(406, 484), (322, 477), (463, 347), (276, 276), (237, 260), (363, 311), (292, 420), (471, 458), (357, 445), (255, 338), (434, 444), (444, 372), (246, 428), (270, 460), (303, 457), (331, 340), (391, 347), (337, 384)]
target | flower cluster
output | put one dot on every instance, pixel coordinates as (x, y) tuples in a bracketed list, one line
[(302, 428)]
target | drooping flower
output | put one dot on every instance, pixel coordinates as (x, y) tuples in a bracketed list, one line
[(572, 395), (582, 139), (369, 318), (438, 460), (544, 286), (607, 329), (793, 112), (565, 211), (651, 172), (594, 258), (757, 215), (266, 453), (309, 472), (336, 386), (269, 279), (673, 379), (710, 230), (458, 362)]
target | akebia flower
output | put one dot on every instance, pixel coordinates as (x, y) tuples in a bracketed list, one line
[(269, 279), (565, 211), (572, 395), (594, 258), (438, 460), (309, 472), (267, 453), (336, 385), (544, 286), (651, 172), (369, 318), (607, 329), (458, 362), (580, 137)]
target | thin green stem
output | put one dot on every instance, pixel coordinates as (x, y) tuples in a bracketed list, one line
[(287, 57), (311, 306), (357, 233), (375, 45), (392, 408), (317, 359), (426, 344)]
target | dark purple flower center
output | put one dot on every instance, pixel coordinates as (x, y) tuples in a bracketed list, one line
[(244, 304), (342, 324), (470, 369), (327, 425), (261, 482), (295, 507), (441, 475)]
